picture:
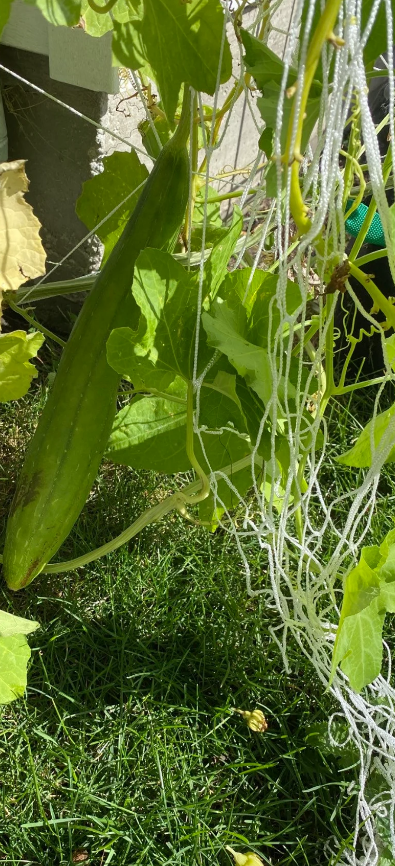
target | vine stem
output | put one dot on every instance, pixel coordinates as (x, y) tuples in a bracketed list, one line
[(387, 166), (32, 321), (205, 484), (329, 371), (174, 502), (323, 31), (377, 297)]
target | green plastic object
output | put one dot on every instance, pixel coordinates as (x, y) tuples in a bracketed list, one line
[(375, 235)]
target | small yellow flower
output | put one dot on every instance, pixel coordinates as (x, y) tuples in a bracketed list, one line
[(255, 720), (248, 859)]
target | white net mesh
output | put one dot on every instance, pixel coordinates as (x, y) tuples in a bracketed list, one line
[(297, 537)]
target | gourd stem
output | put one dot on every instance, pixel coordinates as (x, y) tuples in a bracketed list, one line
[(329, 369), (377, 297), (293, 158), (174, 502)]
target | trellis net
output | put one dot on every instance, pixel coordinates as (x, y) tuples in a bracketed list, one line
[(307, 543)]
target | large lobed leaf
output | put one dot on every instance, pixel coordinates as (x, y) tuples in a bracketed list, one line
[(181, 42), (151, 431)]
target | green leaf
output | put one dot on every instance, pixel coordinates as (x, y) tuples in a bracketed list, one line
[(241, 287), (16, 373), (5, 10), (386, 560), (266, 141), (181, 42), (150, 433), (216, 266), (226, 331), (360, 648), (213, 209), (211, 513), (225, 383), (262, 63), (360, 454), (12, 625), (63, 12), (268, 104), (374, 45), (97, 24), (358, 644), (123, 173), (253, 410), (387, 597), (14, 656), (369, 593), (167, 296), (125, 354), (256, 292), (213, 236)]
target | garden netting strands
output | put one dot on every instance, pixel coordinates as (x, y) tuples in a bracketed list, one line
[(308, 542)]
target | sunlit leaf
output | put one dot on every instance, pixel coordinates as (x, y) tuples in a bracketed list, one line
[(359, 648), (63, 12), (16, 372), (360, 455), (5, 9), (180, 41), (12, 625)]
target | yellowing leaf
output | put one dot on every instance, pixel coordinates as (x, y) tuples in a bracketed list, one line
[(249, 859), (22, 256)]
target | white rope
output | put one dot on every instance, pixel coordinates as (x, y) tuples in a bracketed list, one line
[(304, 586)]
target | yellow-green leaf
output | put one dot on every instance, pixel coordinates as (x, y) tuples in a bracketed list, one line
[(16, 372)]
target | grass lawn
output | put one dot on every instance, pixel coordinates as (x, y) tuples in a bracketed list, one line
[(126, 749)]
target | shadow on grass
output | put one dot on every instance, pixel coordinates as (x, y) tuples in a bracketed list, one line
[(127, 748), (128, 742)]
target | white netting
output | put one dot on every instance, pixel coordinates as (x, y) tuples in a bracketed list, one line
[(301, 578)]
